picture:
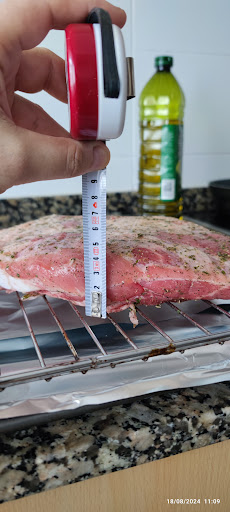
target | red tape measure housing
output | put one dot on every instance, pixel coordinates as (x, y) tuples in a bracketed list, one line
[(82, 81)]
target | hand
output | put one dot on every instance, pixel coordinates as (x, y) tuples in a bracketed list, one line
[(33, 147)]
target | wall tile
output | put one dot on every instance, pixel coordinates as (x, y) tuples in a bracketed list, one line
[(182, 26), (200, 170), (120, 174)]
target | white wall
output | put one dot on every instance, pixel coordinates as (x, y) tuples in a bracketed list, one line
[(197, 35)]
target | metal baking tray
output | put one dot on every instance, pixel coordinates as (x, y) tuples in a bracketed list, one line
[(96, 343), (55, 362)]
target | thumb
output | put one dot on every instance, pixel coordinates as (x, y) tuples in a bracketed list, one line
[(27, 157)]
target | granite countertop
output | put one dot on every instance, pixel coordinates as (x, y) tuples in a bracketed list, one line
[(14, 211), (107, 440), (159, 425)]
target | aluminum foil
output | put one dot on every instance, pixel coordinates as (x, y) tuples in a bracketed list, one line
[(196, 366)]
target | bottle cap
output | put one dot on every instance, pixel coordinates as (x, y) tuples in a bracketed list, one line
[(163, 61)]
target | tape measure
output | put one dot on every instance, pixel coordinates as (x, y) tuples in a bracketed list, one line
[(100, 80)]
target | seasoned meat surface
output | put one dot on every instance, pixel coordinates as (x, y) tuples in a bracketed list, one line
[(150, 260)]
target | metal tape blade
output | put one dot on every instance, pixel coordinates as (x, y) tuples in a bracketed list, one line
[(94, 233)]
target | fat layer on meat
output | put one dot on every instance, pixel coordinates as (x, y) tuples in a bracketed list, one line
[(150, 260)]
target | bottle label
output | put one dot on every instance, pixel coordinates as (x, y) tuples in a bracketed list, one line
[(171, 153)]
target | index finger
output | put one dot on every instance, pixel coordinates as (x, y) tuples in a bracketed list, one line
[(25, 23)]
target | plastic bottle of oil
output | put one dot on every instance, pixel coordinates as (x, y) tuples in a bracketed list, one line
[(161, 124)]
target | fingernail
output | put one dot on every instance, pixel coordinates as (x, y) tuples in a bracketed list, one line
[(100, 157)]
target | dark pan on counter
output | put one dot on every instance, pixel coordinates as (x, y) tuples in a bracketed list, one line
[(221, 193)]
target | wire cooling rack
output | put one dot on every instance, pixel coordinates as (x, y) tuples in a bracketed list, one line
[(176, 327)]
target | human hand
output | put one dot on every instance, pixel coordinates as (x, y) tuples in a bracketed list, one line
[(33, 147)]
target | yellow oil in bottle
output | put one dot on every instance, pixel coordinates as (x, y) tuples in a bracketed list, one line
[(161, 129)]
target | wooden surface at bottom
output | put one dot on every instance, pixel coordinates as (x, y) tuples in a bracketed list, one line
[(202, 473)]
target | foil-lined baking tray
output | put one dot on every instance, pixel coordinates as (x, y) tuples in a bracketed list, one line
[(54, 360)]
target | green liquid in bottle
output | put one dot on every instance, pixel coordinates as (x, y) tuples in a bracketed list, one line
[(161, 128)]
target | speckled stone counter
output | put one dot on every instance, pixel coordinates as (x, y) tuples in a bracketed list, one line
[(114, 438), (15, 211)]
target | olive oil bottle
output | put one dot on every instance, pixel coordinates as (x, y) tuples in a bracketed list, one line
[(161, 128)]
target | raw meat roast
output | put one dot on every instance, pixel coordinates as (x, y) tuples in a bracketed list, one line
[(150, 260)]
